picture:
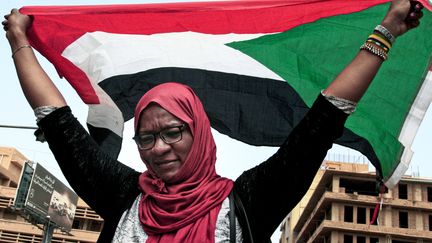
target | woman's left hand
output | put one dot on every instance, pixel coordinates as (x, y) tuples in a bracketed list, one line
[(402, 16)]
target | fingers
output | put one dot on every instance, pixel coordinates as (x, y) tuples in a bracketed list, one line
[(415, 10), (413, 24), (414, 15), (13, 11), (16, 21), (402, 16), (5, 23), (418, 6)]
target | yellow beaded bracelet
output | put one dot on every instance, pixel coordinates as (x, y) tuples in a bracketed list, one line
[(381, 39)]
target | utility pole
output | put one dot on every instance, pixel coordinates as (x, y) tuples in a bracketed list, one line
[(18, 127), (48, 230)]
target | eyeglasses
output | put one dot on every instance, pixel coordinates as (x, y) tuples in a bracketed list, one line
[(169, 135)]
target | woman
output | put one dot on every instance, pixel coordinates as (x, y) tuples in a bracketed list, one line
[(180, 198)]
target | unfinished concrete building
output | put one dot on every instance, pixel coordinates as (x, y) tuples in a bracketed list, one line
[(340, 205)]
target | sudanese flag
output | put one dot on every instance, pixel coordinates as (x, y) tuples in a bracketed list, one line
[(256, 65)]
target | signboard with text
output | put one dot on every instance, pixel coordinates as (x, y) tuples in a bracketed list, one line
[(49, 197)]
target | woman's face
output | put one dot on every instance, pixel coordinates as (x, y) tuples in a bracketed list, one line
[(164, 159)]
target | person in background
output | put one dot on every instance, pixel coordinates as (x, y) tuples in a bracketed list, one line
[(180, 198)]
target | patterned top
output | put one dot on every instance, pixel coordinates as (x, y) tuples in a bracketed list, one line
[(129, 228)]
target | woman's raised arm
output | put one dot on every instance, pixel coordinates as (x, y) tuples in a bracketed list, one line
[(38, 88), (353, 81)]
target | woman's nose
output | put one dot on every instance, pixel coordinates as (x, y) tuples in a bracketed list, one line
[(160, 146)]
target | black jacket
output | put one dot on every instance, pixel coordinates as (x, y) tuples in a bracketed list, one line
[(268, 191)]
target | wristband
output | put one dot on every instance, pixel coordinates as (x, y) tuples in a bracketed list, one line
[(385, 32)]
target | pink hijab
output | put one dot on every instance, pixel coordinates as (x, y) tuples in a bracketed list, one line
[(187, 210)]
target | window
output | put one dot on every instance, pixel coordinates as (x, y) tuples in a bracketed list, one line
[(328, 213), (348, 239), (429, 194), (9, 216), (77, 224), (348, 215), (329, 186), (374, 240), (95, 225), (327, 238), (403, 191), (403, 219), (361, 215), (358, 186), (430, 222), (361, 239)]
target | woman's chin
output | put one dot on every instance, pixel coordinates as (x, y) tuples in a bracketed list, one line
[(167, 172)]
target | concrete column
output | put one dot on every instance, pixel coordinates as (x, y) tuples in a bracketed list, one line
[(419, 224), (335, 183), (387, 216), (335, 212), (390, 193), (417, 192), (355, 214), (335, 237)]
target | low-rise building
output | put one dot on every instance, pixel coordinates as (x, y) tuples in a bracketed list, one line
[(15, 228), (341, 203)]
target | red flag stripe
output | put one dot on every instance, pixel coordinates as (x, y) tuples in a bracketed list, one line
[(71, 22)]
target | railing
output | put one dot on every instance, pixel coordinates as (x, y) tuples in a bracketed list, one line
[(7, 236), (6, 202), (86, 213), (351, 158)]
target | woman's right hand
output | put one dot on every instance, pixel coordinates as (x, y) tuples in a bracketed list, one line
[(35, 83), (16, 25)]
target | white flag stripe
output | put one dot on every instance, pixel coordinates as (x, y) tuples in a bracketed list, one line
[(410, 128), (102, 55)]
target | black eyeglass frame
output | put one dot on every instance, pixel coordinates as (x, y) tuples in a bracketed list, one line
[(181, 127)]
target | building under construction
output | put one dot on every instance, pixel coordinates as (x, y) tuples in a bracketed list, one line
[(341, 203)]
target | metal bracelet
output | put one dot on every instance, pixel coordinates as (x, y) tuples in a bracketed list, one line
[(385, 32), (20, 48)]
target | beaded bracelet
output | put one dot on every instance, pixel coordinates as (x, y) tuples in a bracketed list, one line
[(377, 51), (383, 38), (385, 48), (380, 39), (20, 48)]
